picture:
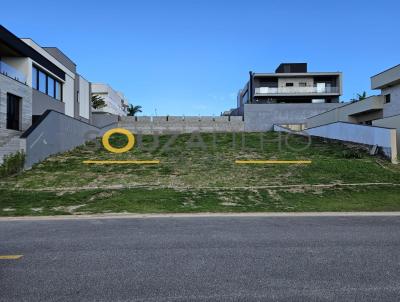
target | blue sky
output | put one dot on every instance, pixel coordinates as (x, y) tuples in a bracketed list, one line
[(191, 57)]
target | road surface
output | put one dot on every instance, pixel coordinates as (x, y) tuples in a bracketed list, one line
[(202, 259)]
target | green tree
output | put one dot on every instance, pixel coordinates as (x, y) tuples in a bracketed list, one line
[(132, 110), (97, 102), (360, 97)]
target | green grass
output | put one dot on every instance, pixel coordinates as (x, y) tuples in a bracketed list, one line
[(204, 178)]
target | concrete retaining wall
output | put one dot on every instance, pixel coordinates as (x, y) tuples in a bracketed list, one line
[(262, 117), (57, 133), (385, 138), (42, 102), (101, 119), (175, 124), (355, 112), (390, 122)]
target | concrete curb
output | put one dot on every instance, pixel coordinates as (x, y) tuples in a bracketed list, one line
[(199, 215)]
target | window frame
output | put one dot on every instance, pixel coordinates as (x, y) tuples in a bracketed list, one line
[(36, 72), (388, 98)]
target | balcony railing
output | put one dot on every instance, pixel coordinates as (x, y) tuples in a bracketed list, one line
[(297, 90), (11, 72)]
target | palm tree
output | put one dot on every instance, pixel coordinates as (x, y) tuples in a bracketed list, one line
[(360, 97), (98, 102), (132, 110)]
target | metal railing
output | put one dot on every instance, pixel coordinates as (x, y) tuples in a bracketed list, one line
[(296, 90), (11, 72)]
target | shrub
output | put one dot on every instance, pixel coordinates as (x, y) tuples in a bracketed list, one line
[(12, 164), (352, 153)]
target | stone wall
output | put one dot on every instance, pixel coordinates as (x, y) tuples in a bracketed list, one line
[(175, 124), (8, 85)]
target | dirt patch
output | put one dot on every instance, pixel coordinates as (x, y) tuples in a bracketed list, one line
[(101, 195), (69, 209), (229, 204)]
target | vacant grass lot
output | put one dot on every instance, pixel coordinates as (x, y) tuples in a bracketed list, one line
[(198, 173)]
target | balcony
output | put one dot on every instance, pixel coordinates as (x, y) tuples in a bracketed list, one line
[(11, 72), (311, 90)]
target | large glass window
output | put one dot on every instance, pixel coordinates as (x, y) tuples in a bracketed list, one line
[(58, 91), (34, 78), (47, 84), (42, 82), (50, 87)]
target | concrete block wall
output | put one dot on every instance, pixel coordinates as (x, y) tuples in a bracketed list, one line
[(177, 124), (8, 85)]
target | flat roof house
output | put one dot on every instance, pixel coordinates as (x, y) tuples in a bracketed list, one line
[(34, 79), (374, 110), (116, 102), (288, 96)]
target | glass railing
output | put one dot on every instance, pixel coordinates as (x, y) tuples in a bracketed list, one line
[(296, 90), (11, 72)]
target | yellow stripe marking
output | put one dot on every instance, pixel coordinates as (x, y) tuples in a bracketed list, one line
[(117, 162), (10, 257), (273, 162)]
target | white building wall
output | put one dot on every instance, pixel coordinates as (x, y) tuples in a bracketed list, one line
[(367, 135), (68, 95), (84, 98), (392, 108), (112, 98)]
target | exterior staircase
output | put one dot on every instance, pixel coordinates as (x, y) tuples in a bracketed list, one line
[(10, 142)]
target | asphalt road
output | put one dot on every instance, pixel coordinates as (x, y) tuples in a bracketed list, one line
[(202, 259)]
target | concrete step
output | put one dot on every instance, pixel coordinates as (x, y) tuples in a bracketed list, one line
[(12, 146)]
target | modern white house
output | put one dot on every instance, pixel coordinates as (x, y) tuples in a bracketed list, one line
[(34, 79), (116, 102), (374, 121), (288, 96), (380, 110), (45, 104)]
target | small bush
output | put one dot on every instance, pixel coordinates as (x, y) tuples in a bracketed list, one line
[(352, 153), (12, 164)]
